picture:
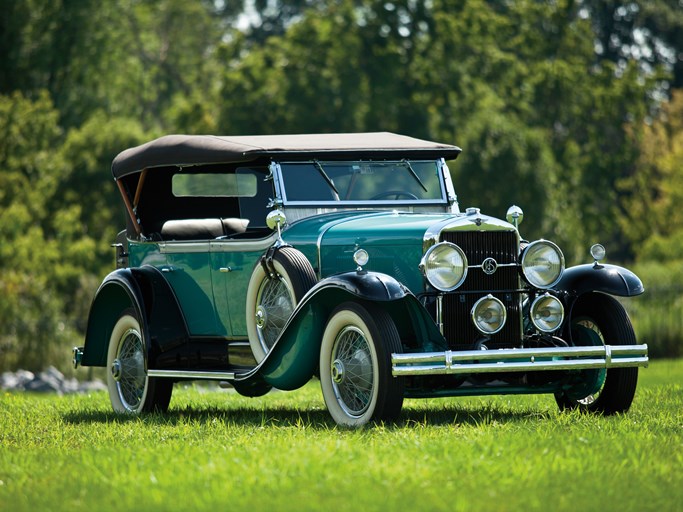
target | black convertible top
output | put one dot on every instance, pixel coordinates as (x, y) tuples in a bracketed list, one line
[(183, 150)]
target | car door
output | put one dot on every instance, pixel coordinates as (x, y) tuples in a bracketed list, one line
[(232, 262), (188, 272)]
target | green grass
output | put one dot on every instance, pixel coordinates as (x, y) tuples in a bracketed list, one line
[(215, 450)]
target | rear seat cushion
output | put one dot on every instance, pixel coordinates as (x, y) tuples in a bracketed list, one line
[(202, 229)]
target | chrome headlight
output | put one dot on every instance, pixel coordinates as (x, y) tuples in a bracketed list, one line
[(489, 315), (547, 313), (445, 266), (542, 264)]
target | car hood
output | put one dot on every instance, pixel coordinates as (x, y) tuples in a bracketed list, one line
[(395, 241), (387, 227)]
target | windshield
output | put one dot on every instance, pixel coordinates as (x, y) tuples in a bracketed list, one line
[(363, 182)]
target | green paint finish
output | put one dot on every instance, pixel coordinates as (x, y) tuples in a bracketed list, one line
[(394, 242), (231, 271), (111, 300), (189, 274), (294, 359), (145, 253)]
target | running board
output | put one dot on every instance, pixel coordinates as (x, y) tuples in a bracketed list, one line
[(191, 375), (519, 360)]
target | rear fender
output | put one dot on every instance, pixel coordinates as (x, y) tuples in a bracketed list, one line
[(118, 291), (610, 279), (145, 290), (293, 360)]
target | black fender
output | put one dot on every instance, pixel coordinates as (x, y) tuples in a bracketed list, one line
[(610, 279), (145, 290), (293, 359)]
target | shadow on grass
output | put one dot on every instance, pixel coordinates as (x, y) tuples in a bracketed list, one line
[(311, 418)]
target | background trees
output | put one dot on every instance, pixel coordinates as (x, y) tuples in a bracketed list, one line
[(570, 109)]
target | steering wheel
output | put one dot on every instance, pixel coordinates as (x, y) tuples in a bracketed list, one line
[(395, 193)]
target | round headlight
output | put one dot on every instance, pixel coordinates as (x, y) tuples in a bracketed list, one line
[(445, 266), (542, 264), (547, 313), (489, 315)]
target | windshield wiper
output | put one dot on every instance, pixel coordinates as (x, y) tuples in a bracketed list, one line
[(412, 171), (329, 181)]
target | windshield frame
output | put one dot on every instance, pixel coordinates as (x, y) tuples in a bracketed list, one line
[(441, 168)]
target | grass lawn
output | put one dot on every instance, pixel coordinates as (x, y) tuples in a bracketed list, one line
[(218, 451)]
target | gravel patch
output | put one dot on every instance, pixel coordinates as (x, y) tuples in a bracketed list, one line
[(50, 380)]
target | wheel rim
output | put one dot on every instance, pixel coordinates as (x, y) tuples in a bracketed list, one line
[(589, 324), (274, 306), (128, 370), (351, 371)]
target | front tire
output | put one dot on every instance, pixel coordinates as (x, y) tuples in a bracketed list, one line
[(131, 391), (355, 366), (600, 319)]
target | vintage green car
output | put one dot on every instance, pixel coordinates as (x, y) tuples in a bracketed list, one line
[(264, 261)]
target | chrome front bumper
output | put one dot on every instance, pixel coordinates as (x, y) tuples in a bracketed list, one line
[(519, 360)]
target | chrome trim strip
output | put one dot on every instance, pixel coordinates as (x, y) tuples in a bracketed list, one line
[(276, 173), (497, 266), (441, 201), (183, 247), (519, 360), (191, 374), (255, 245), (205, 246), (463, 222), (439, 313), (450, 190)]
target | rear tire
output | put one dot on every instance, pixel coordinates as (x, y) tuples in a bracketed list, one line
[(600, 319), (131, 391), (355, 366)]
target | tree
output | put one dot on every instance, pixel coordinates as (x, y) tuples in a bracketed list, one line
[(654, 191)]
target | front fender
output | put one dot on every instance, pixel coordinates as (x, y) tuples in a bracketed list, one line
[(610, 279), (293, 360)]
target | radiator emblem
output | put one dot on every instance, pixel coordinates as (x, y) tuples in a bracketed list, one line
[(489, 266)]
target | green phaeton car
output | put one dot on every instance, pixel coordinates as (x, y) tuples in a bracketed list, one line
[(262, 262)]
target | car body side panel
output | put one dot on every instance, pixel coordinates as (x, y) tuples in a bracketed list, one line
[(189, 274)]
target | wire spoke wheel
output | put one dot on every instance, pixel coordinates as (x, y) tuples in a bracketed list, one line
[(355, 365), (131, 391), (129, 369), (275, 304), (352, 371)]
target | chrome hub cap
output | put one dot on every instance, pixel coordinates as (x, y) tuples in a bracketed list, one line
[(116, 369), (338, 371), (261, 317)]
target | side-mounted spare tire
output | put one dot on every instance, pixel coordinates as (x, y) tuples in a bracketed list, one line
[(273, 295)]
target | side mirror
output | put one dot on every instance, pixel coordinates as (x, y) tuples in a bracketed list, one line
[(276, 220), (515, 216)]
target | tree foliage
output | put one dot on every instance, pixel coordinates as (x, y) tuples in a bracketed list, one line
[(570, 109)]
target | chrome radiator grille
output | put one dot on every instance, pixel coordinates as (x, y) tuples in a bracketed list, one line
[(503, 284)]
